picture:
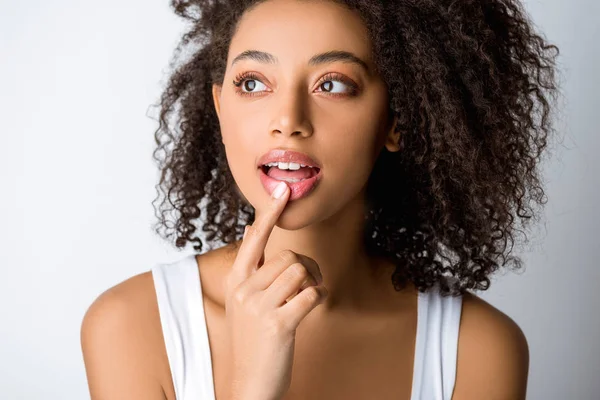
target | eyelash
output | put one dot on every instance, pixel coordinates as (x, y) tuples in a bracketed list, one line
[(332, 76)]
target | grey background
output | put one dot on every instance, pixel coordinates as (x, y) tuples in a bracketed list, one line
[(76, 80)]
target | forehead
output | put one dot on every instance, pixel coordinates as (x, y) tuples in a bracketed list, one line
[(294, 30)]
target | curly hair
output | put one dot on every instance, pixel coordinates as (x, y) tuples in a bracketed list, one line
[(471, 84)]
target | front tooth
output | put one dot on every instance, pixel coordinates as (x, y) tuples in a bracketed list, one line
[(290, 165)]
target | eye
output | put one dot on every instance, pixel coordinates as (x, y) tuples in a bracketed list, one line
[(330, 86), (245, 86), (241, 83), (327, 81)]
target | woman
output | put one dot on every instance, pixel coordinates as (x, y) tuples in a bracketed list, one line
[(405, 134)]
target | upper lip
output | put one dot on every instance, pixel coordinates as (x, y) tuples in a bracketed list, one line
[(287, 156)]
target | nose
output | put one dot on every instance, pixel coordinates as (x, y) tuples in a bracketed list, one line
[(292, 115)]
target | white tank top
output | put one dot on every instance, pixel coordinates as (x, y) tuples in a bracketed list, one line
[(181, 308)]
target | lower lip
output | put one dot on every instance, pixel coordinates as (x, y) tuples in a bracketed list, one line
[(299, 189)]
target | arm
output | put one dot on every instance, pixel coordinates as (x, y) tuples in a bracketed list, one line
[(493, 355), (116, 346)]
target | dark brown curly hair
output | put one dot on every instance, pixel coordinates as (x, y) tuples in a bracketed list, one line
[(471, 84)]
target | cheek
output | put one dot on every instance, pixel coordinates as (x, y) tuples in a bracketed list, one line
[(239, 133), (231, 128), (238, 147), (355, 145), (349, 164), (359, 159)]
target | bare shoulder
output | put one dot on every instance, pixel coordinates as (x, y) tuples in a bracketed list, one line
[(122, 342), (493, 354)]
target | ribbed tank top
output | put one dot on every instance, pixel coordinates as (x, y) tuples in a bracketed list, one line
[(181, 309)]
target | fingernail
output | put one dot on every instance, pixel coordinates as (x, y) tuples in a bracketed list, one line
[(279, 190)]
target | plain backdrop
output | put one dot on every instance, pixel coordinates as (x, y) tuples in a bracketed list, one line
[(77, 80)]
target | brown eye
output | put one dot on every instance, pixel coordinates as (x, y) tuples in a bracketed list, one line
[(249, 85), (334, 85), (328, 85), (245, 84)]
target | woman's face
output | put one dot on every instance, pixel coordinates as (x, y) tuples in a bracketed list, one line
[(335, 111)]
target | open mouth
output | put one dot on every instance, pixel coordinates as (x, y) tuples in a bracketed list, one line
[(290, 175), (301, 181)]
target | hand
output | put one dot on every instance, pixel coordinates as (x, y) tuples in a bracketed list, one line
[(264, 306)]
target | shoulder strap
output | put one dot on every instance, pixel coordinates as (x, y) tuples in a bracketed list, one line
[(181, 309), (436, 347)]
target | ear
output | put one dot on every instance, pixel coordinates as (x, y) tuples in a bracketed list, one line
[(392, 142), (216, 93)]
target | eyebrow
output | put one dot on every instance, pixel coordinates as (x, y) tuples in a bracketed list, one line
[(317, 59)]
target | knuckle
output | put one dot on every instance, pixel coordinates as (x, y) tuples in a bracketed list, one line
[(298, 270), (240, 295), (312, 294), (306, 283), (288, 256), (247, 303), (253, 308)]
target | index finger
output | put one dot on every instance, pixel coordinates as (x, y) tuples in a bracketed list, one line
[(256, 235)]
